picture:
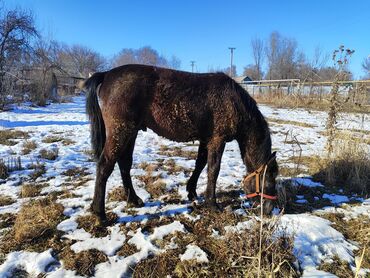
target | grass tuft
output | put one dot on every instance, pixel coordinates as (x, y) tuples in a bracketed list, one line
[(49, 154), (83, 262), (7, 136)]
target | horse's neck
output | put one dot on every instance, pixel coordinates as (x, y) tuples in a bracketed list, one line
[(257, 148)]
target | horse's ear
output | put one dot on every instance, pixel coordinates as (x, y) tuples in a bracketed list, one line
[(272, 156)]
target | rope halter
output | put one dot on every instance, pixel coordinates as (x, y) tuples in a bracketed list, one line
[(260, 171)]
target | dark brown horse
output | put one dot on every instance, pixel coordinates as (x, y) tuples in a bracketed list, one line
[(180, 106)]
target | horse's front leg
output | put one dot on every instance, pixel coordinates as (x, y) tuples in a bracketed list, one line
[(215, 148), (200, 163)]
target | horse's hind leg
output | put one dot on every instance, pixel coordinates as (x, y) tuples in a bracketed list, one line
[(125, 163), (200, 163), (113, 147)]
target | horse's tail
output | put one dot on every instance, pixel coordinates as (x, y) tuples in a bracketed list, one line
[(94, 112)]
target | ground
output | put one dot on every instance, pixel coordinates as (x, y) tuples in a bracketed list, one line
[(47, 183)]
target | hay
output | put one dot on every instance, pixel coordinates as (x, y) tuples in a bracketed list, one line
[(37, 220), (6, 200), (83, 262)]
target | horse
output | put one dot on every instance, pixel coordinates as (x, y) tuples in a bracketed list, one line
[(181, 106)]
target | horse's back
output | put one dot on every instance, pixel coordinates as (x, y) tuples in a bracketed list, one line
[(178, 105)]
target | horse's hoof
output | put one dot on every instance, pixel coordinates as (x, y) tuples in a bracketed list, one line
[(212, 205), (136, 202)]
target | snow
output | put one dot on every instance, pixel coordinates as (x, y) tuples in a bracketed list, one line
[(32, 262), (109, 244), (315, 240), (336, 199), (193, 252)]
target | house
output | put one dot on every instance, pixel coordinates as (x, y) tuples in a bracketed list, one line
[(242, 79)]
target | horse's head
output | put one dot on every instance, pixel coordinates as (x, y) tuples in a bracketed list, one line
[(262, 182)]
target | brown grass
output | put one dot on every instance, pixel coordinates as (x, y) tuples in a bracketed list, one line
[(3, 170), (117, 194), (37, 220), (7, 136), (319, 104), (40, 169), (30, 190), (56, 138), (28, 146), (6, 200), (52, 139), (348, 167), (83, 262), (289, 122), (356, 229), (338, 267), (91, 224), (7, 220), (49, 154), (76, 172), (177, 151), (35, 228), (234, 255)]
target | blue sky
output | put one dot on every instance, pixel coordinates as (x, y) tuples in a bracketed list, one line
[(203, 30)]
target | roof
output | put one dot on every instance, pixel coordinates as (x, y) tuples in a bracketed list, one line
[(242, 79)]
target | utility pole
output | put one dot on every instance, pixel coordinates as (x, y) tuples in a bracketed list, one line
[(231, 62), (192, 65)]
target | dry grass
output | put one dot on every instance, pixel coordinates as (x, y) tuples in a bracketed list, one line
[(289, 122), (56, 138), (30, 190), (338, 267), (37, 220), (349, 167), (39, 170), (35, 228), (356, 229), (7, 136), (7, 220), (28, 146), (281, 100), (177, 151), (83, 262), (51, 154), (91, 224), (117, 194), (76, 172), (52, 139), (234, 255), (6, 200), (3, 170)]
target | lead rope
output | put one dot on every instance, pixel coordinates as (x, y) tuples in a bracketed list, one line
[(261, 224)]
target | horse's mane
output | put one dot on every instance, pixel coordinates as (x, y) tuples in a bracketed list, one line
[(259, 122)]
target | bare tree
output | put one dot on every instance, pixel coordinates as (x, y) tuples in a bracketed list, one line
[(253, 72), (258, 55), (79, 60), (17, 28), (145, 55), (227, 71), (281, 56), (366, 67)]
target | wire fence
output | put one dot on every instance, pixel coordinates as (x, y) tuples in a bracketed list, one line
[(355, 92)]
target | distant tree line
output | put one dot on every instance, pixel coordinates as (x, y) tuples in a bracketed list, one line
[(282, 59), (31, 66)]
